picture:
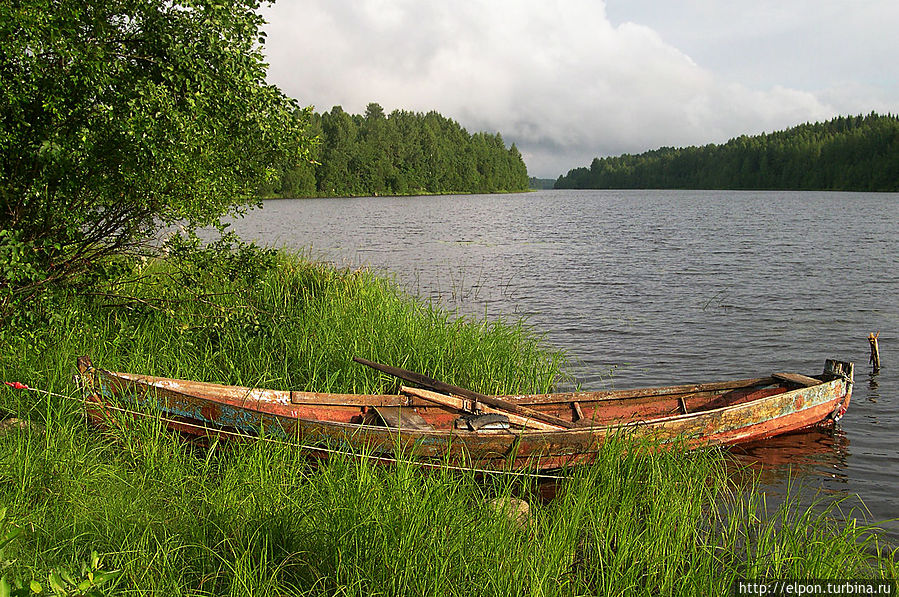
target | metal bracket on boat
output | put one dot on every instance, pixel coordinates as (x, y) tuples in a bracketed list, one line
[(839, 370)]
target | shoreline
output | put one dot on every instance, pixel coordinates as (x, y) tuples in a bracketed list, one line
[(259, 518)]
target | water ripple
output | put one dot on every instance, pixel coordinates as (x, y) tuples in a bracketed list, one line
[(652, 287)]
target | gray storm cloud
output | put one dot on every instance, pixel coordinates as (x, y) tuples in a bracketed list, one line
[(557, 78)]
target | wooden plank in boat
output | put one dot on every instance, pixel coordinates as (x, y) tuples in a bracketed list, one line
[(802, 380), (577, 410), (445, 388), (610, 395), (402, 418), (459, 404), (316, 398)]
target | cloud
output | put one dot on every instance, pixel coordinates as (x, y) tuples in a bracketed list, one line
[(556, 77)]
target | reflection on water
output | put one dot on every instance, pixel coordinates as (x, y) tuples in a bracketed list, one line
[(819, 452), (650, 288), (773, 464), (873, 388)]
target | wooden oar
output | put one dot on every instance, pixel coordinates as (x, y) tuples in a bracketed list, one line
[(459, 404), (438, 386)]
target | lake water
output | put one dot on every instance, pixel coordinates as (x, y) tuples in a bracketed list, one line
[(660, 287)]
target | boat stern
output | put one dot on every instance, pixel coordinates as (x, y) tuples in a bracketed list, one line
[(845, 371)]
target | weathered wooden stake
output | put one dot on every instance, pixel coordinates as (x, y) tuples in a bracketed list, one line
[(875, 352)]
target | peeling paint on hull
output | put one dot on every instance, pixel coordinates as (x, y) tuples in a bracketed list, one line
[(719, 413)]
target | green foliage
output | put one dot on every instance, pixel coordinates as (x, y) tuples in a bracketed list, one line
[(249, 316), (844, 154), (8, 534), (228, 257), (118, 117), (59, 583), (258, 518), (20, 272), (401, 153)]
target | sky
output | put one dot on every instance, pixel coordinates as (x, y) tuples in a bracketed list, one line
[(571, 80)]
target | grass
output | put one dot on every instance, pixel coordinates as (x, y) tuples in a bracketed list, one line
[(298, 325), (258, 518)]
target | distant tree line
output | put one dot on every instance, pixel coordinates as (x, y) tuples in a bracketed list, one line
[(856, 153), (399, 154), (541, 184)]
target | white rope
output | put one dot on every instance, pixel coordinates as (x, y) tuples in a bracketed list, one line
[(331, 451)]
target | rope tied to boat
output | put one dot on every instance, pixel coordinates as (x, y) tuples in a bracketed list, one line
[(85, 386), (845, 377)]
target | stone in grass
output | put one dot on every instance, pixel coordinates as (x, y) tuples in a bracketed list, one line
[(12, 424), (517, 510)]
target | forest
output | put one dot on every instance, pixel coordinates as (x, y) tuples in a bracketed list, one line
[(854, 153), (401, 153)]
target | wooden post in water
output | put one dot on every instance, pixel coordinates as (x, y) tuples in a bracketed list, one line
[(875, 351)]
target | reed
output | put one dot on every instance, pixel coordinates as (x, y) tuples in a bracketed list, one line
[(299, 326), (259, 518)]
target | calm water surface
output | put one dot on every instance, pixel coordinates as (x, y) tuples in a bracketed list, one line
[(660, 287)]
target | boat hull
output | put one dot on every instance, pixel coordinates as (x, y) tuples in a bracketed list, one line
[(703, 415)]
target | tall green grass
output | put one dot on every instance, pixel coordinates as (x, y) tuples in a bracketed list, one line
[(296, 325), (258, 518)]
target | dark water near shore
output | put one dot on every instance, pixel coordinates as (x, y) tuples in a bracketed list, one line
[(659, 287)]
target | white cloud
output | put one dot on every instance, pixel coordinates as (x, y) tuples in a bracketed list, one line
[(556, 77)]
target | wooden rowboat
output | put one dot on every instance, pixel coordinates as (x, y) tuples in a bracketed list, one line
[(458, 426)]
